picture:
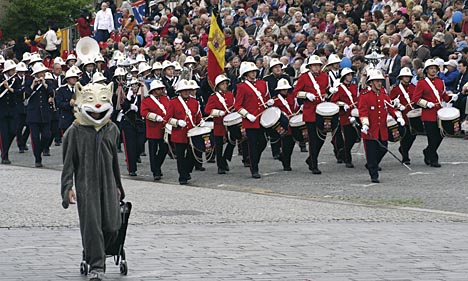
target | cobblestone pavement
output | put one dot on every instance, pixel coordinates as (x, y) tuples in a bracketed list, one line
[(191, 233)]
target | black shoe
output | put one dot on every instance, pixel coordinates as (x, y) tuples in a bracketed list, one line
[(246, 164), (375, 180), (132, 174), (316, 171), (21, 150), (46, 153), (307, 161), (38, 165), (183, 182), (138, 159), (201, 169), (349, 165), (227, 167), (256, 175), (406, 161), (189, 177), (6, 162), (426, 158), (157, 177), (277, 157), (143, 154), (339, 161), (221, 171), (26, 148), (287, 169), (57, 144), (436, 165), (304, 149)]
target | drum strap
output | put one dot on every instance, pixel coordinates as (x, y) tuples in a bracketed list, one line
[(161, 106), (316, 85), (285, 103), (256, 91), (222, 101), (187, 110), (405, 94), (436, 93), (348, 93)]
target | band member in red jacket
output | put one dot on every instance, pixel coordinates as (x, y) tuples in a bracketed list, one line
[(220, 103), (429, 94), (183, 114), (401, 96), (312, 88), (374, 106), (251, 100), (154, 108), (287, 103), (347, 98)]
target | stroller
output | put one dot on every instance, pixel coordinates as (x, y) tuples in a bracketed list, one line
[(116, 249)]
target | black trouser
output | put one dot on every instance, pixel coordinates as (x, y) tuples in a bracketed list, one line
[(287, 147), (406, 142), (157, 153), (434, 139), (316, 140), (338, 144), (222, 157), (461, 104), (244, 150), (275, 144), (350, 136), (374, 154), (56, 135), (134, 139), (185, 160), (256, 142), (7, 134), (40, 136), (22, 131)]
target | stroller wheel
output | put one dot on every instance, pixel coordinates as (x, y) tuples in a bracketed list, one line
[(84, 268), (123, 267)]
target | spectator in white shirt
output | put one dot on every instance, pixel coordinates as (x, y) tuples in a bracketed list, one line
[(103, 24), (52, 42), (348, 50)]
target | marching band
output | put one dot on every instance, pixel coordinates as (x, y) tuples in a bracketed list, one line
[(162, 103)]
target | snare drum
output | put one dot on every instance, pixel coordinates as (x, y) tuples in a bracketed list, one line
[(275, 121), (449, 120), (199, 138), (327, 116), (233, 123), (209, 124), (415, 122), (167, 133), (298, 128), (394, 130)]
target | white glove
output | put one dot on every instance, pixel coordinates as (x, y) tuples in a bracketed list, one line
[(402, 107), (430, 105), (202, 123), (352, 119), (222, 113), (251, 117), (449, 105), (454, 97), (181, 123), (364, 129), (159, 118), (443, 104), (310, 97), (396, 102), (270, 102), (133, 107), (129, 95), (333, 90), (401, 121), (345, 107)]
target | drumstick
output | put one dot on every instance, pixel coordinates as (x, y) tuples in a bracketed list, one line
[(203, 119)]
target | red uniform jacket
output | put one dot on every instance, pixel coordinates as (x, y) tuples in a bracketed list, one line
[(342, 96), (248, 100), (375, 107), (293, 106), (154, 130), (305, 84), (177, 111), (397, 93), (214, 103), (424, 91)]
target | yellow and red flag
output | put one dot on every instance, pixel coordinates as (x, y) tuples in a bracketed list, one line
[(216, 50)]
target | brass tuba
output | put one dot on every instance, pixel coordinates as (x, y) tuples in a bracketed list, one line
[(86, 48)]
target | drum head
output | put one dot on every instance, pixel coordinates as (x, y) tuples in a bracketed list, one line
[(414, 113), (232, 119), (448, 113), (198, 131), (391, 121), (209, 124), (296, 121), (270, 117), (355, 112), (327, 109)]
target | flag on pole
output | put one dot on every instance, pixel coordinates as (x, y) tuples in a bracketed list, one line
[(216, 50)]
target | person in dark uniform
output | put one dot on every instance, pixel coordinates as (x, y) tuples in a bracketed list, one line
[(401, 96), (88, 71), (58, 81), (39, 94), (168, 78), (154, 108), (7, 109), (276, 70), (54, 119), (220, 103), (22, 128), (184, 114), (374, 106), (347, 98), (252, 99), (312, 88), (429, 94), (65, 101)]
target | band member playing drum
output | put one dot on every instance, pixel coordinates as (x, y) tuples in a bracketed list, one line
[(287, 103), (154, 108), (374, 106), (251, 100), (219, 104), (401, 96), (430, 94), (183, 114), (347, 98), (312, 88)]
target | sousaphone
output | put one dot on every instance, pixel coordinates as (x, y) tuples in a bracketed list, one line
[(87, 47)]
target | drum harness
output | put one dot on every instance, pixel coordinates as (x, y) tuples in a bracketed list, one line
[(354, 123), (222, 100)]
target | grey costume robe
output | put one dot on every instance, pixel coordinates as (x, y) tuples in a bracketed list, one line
[(90, 157)]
